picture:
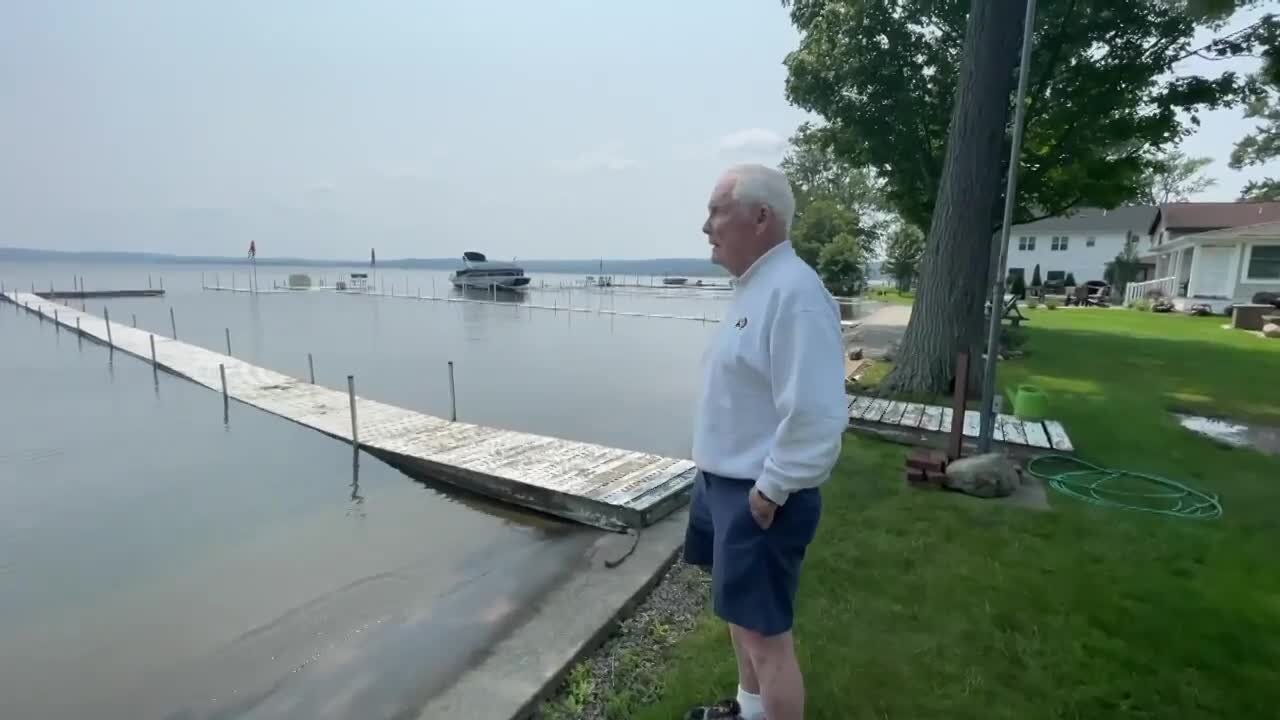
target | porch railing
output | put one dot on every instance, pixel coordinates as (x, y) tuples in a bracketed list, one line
[(1167, 286)]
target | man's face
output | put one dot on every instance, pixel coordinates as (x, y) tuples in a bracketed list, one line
[(731, 230)]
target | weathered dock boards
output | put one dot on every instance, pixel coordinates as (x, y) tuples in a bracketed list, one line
[(868, 411), (84, 294), (601, 486)]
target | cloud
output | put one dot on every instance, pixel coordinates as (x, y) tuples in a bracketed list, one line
[(752, 140), (609, 157)]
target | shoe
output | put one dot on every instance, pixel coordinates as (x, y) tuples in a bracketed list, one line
[(723, 710)]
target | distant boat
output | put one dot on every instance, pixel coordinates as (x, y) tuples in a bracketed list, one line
[(674, 280), (480, 273)]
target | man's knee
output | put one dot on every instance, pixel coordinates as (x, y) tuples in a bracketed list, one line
[(765, 651)]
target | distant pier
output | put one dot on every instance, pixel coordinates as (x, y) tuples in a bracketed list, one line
[(86, 294)]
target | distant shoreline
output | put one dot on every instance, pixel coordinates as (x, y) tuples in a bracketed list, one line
[(691, 267)]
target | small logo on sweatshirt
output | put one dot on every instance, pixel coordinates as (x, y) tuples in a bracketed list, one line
[(741, 323)]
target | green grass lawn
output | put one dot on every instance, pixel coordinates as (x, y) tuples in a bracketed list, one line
[(891, 296), (922, 604)]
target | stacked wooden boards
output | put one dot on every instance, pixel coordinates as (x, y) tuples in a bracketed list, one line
[(1047, 435)]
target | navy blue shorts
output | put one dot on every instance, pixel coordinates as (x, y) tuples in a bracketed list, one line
[(754, 572)]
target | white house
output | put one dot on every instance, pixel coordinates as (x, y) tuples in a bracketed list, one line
[(1209, 253), (1080, 243)]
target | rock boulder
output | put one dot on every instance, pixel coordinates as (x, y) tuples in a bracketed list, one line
[(1271, 330), (986, 476)]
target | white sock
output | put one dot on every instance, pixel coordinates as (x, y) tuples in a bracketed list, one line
[(752, 705)]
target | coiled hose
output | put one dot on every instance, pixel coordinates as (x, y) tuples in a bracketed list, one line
[(1124, 489)]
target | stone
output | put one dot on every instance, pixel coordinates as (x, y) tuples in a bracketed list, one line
[(855, 354), (1271, 330), (985, 476)]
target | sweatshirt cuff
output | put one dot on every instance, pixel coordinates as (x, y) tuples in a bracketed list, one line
[(772, 490)]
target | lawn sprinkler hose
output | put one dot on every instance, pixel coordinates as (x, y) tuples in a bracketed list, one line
[(1124, 489)]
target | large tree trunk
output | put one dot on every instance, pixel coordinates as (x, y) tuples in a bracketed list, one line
[(948, 313)]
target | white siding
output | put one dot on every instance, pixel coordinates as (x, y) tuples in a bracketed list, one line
[(1086, 263), (1245, 288)]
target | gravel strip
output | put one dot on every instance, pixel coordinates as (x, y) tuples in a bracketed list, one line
[(625, 674)]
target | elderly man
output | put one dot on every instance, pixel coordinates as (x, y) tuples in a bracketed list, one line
[(768, 430)]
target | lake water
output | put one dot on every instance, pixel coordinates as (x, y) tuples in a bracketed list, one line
[(156, 563)]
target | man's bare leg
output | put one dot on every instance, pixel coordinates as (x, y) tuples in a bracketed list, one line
[(746, 671), (777, 671)]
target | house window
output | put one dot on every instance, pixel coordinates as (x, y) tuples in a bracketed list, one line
[(1026, 243), (1264, 263), (1058, 243), (1091, 242), (1015, 272), (1056, 276)]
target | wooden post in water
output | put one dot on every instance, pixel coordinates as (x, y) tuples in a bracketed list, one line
[(135, 319), (453, 396), (226, 402), (217, 280), (311, 366), (201, 279), (79, 335), (351, 393), (106, 314), (173, 323), (148, 281), (56, 326), (228, 332), (433, 288), (152, 337), (161, 282)]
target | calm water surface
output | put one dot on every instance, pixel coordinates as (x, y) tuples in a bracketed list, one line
[(156, 563)]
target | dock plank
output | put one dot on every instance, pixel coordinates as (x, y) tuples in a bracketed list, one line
[(972, 423), (875, 409), (912, 415), (932, 419), (1036, 436), (597, 485), (1011, 427), (1058, 436), (893, 413), (859, 406)]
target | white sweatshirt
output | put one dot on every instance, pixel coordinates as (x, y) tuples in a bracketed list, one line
[(773, 406)]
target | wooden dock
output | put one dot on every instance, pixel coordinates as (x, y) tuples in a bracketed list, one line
[(86, 294), (903, 420), (596, 485)]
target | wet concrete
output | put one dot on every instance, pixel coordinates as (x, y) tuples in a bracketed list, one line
[(572, 620), (396, 661)]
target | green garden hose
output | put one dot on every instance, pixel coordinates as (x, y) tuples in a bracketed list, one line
[(1124, 489)]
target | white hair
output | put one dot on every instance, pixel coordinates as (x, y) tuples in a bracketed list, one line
[(765, 186)]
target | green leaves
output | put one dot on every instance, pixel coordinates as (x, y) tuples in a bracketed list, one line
[(1104, 92), (842, 263), (1260, 147)]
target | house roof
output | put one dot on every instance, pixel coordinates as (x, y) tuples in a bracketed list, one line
[(1195, 216), (1259, 231), (1121, 219)]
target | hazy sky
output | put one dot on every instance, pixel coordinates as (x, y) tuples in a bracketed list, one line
[(558, 128)]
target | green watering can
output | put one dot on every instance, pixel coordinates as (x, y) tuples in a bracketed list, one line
[(1030, 403)]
